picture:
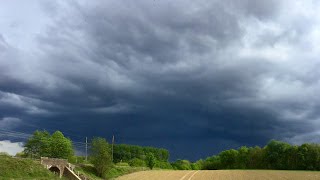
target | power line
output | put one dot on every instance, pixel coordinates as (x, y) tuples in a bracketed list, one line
[(86, 149)]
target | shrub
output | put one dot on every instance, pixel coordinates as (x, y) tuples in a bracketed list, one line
[(182, 165), (163, 165), (135, 162), (150, 160)]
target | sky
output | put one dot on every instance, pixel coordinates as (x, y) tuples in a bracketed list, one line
[(194, 77)]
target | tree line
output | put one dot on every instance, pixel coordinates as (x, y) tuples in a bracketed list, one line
[(56, 145), (125, 153), (275, 155)]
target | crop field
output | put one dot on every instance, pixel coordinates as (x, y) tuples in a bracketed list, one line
[(221, 175)]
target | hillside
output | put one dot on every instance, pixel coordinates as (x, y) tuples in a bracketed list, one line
[(15, 168)]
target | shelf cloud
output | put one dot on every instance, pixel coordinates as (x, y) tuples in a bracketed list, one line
[(214, 74)]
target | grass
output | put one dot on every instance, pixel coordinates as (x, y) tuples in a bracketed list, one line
[(116, 171), (16, 169), (120, 171)]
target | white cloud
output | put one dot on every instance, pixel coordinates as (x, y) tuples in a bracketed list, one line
[(11, 148)]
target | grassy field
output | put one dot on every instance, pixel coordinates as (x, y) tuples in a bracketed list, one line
[(24, 169), (27, 169), (116, 171), (222, 175)]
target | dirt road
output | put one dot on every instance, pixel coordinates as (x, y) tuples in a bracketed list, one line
[(222, 175)]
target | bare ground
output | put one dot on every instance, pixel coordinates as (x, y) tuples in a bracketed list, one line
[(222, 175)]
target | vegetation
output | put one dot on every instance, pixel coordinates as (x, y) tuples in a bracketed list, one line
[(275, 155), (100, 156), (18, 168), (125, 153), (115, 171), (135, 162), (128, 158), (182, 165), (151, 160), (42, 144)]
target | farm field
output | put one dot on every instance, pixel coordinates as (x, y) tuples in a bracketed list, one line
[(221, 175)]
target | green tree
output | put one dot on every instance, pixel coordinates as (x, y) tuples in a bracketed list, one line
[(276, 152), (212, 163), (243, 158), (309, 156), (61, 147), (256, 158), (229, 158), (163, 165), (100, 156), (42, 144), (150, 160), (38, 145)]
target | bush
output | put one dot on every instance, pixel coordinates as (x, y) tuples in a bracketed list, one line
[(135, 162), (4, 154), (182, 165), (150, 160), (195, 166), (212, 163), (163, 165), (100, 156)]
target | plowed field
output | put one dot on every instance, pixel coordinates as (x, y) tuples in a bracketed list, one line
[(221, 175)]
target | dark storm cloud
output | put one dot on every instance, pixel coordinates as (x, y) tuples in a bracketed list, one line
[(217, 74)]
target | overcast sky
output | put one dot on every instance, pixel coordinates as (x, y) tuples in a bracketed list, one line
[(195, 77)]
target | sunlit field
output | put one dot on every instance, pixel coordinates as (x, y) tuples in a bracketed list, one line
[(222, 175)]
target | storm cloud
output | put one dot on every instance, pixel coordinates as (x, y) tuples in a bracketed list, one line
[(193, 77)]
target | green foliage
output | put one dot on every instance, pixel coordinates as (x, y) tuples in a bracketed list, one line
[(256, 158), (243, 158), (90, 172), (195, 166), (309, 157), (17, 168), (181, 165), (100, 156), (4, 154), (135, 162), (150, 160), (212, 163), (41, 144), (21, 155), (122, 164), (60, 147), (229, 158), (120, 171), (275, 155), (163, 165), (124, 153), (200, 164), (76, 159), (38, 145)]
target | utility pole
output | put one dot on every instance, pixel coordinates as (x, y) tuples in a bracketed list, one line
[(112, 147), (86, 149)]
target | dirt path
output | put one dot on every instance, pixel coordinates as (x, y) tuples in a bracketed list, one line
[(222, 175)]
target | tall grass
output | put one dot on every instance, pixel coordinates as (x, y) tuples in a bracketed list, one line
[(17, 168)]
